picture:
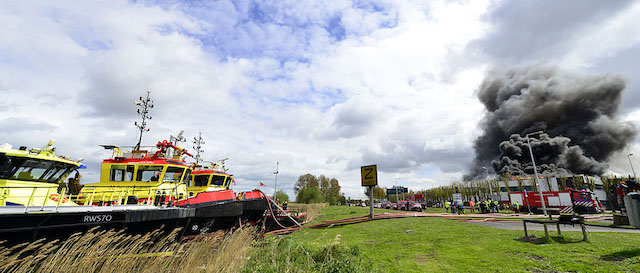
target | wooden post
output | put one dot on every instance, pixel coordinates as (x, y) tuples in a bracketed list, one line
[(584, 233), (546, 232)]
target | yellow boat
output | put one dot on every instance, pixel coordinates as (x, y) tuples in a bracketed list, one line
[(208, 178), (140, 175), (36, 177)]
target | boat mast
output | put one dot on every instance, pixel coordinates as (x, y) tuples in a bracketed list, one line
[(198, 147), (145, 105)]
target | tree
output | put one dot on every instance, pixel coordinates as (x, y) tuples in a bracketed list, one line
[(309, 195), (378, 193), (281, 196), (324, 187), (305, 181), (311, 189)]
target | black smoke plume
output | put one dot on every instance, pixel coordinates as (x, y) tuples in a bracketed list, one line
[(576, 113)]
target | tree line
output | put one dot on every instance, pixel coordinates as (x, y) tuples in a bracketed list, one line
[(312, 189)]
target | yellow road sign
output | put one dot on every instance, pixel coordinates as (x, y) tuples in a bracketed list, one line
[(369, 175)]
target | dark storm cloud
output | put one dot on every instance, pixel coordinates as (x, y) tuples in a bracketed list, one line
[(580, 109), (529, 29)]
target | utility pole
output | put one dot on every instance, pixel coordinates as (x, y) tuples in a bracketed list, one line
[(634, 172), (275, 188), (535, 169), (145, 105), (487, 177)]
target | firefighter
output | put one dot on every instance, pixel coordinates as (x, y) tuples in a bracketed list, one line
[(497, 206), (285, 205), (516, 207), (446, 206), (483, 206)]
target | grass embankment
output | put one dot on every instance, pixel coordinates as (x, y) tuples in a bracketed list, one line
[(438, 245)]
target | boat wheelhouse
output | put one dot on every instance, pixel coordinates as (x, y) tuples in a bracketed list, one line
[(36, 177), (140, 175), (211, 177)]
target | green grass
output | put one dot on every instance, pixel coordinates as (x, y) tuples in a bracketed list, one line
[(430, 244)]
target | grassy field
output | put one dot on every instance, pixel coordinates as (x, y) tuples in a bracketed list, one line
[(437, 245)]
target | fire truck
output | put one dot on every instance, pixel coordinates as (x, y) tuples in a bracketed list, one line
[(568, 201)]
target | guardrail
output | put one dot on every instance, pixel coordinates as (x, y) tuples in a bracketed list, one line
[(92, 196)]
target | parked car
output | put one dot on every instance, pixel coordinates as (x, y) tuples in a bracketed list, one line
[(394, 206), (415, 206), (402, 204)]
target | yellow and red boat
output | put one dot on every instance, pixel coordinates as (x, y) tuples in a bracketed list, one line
[(140, 175)]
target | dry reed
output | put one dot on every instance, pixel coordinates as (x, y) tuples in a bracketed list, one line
[(111, 251), (311, 209)]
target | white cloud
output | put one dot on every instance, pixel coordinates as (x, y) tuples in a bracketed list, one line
[(280, 82)]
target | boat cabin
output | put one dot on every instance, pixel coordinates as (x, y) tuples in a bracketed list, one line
[(35, 177), (140, 175), (208, 180)]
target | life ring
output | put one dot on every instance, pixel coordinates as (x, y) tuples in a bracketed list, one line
[(56, 197)]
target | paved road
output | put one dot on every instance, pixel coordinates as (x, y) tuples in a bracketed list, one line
[(517, 225)]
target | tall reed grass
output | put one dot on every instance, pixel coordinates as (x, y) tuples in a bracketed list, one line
[(311, 209), (111, 251)]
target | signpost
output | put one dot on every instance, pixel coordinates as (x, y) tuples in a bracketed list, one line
[(369, 175)]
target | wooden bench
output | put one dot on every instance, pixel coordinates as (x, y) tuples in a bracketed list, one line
[(556, 222)]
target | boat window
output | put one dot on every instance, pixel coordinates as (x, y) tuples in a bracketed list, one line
[(229, 180), (56, 172), (122, 173), (173, 174), (31, 169), (5, 165), (149, 173), (187, 177), (217, 180), (27, 169), (201, 180)]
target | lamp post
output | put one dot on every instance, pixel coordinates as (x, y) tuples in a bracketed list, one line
[(397, 204), (275, 188), (634, 172), (490, 190), (535, 170)]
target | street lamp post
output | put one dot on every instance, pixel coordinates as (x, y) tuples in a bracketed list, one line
[(634, 172), (397, 193), (535, 170), (275, 188), (490, 190)]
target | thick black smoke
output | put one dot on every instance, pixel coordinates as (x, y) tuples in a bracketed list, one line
[(577, 111)]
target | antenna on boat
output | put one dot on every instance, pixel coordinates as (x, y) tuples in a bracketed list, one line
[(145, 105), (179, 138), (198, 147)]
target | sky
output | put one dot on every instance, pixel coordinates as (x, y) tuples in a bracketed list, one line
[(321, 87)]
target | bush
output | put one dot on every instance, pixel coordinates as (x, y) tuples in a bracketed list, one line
[(286, 255)]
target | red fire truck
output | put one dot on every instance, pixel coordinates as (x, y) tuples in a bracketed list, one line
[(568, 201)]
